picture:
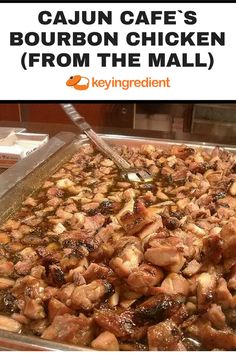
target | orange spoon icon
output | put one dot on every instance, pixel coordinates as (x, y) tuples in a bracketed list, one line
[(75, 80)]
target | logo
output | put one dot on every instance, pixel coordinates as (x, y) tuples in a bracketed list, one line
[(80, 83)]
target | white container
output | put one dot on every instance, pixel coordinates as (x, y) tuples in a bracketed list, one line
[(17, 146)]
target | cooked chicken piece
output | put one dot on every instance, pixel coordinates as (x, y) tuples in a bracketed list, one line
[(107, 163), (145, 277), (20, 318), (30, 201), (216, 316), (127, 257), (64, 183), (182, 203), (57, 308), (175, 284), (29, 253), (228, 234), (17, 234), (38, 326), (129, 194), (6, 283), (180, 315), (160, 195), (164, 336), (212, 249), (121, 325), (49, 292), (95, 271), (179, 177), (8, 324), (86, 297), (114, 298), (165, 256), (181, 151), (103, 187), (24, 229), (61, 173), (75, 276), (232, 278), (206, 287), (214, 177), (79, 241), (92, 224), (32, 287), (229, 229), (211, 338), (108, 232), (159, 307), (134, 216), (32, 221), (65, 293), (6, 267), (59, 228), (225, 213), (4, 238), (29, 258), (106, 341), (70, 206), (77, 220), (85, 149), (54, 202), (193, 228), (55, 276), (151, 228), (47, 184), (232, 189), (70, 329), (192, 268), (63, 214), (223, 295), (10, 225), (33, 309), (228, 200), (147, 150)]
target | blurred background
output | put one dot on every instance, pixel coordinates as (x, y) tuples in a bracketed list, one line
[(215, 120)]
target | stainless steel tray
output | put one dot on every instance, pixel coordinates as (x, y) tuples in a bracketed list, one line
[(27, 176)]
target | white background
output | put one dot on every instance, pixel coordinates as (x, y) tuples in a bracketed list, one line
[(186, 83)]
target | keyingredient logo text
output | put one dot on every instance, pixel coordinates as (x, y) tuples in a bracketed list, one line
[(125, 84)]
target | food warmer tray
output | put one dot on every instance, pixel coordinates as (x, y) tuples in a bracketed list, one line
[(26, 176)]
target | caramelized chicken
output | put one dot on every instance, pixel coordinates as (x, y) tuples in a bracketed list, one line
[(144, 278), (70, 329), (127, 257), (165, 336), (134, 216), (212, 338), (96, 261), (86, 297), (159, 307)]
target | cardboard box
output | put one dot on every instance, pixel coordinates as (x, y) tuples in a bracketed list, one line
[(17, 146)]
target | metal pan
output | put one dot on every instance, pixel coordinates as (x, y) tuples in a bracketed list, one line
[(27, 176)]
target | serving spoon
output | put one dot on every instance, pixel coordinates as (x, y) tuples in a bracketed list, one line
[(132, 174)]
